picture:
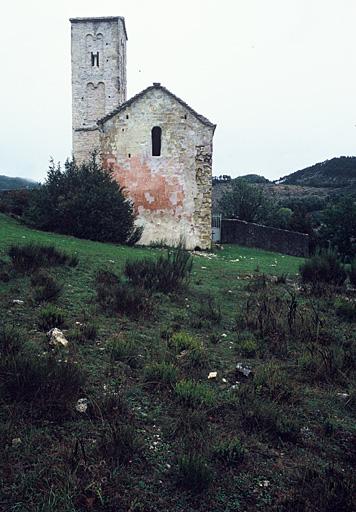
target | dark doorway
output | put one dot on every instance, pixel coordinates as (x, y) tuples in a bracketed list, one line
[(156, 141)]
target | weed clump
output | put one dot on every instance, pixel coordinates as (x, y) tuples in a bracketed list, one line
[(230, 451), (119, 442), (27, 258), (183, 341), (193, 394), (346, 309), (84, 332), (168, 273), (49, 317), (324, 267), (10, 340), (123, 350), (194, 472), (46, 288), (117, 296), (161, 374)]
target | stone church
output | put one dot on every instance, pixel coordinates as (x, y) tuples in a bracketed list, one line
[(159, 148)]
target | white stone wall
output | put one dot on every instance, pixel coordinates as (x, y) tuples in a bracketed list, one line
[(96, 90), (171, 192)]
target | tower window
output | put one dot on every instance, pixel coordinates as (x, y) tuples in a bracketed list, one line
[(156, 140), (95, 59)]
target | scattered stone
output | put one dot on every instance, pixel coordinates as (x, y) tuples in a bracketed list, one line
[(343, 395), (212, 375), (82, 405), (223, 335), (224, 380), (57, 338), (16, 442), (245, 370), (17, 301)]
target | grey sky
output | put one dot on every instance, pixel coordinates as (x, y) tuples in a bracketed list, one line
[(278, 77)]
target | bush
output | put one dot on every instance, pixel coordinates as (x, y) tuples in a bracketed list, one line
[(46, 288), (84, 332), (210, 311), (119, 442), (10, 340), (84, 201), (47, 382), (230, 451), (183, 341), (123, 350), (194, 472), (346, 309), (270, 380), (247, 347), (162, 374), (352, 273), (167, 273), (193, 394), (324, 267), (27, 258), (116, 296), (49, 317)]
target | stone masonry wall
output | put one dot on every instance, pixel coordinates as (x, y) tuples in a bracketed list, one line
[(235, 231), (96, 89), (171, 192)]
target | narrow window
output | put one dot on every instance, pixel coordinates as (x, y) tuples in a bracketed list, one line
[(156, 141), (95, 59)]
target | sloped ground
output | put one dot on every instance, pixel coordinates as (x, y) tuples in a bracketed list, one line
[(155, 433)]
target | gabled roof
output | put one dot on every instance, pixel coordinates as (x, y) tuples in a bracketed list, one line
[(129, 102), (101, 18)]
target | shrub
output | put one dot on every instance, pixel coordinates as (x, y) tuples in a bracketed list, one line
[(116, 296), (84, 332), (324, 267), (194, 472), (119, 442), (167, 273), (270, 380), (46, 288), (183, 341), (83, 201), (162, 374), (49, 383), (346, 309), (196, 358), (352, 273), (123, 350), (230, 451), (193, 394), (247, 347), (49, 317), (27, 258), (210, 310), (10, 340)]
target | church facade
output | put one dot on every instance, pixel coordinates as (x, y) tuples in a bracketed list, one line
[(158, 148)]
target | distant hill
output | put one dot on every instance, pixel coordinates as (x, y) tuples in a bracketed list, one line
[(7, 183), (334, 173)]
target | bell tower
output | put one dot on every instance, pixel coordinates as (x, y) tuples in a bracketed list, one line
[(98, 47)]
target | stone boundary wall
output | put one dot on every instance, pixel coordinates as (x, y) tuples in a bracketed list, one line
[(234, 231)]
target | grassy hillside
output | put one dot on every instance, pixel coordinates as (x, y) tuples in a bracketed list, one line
[(7, 183), (155, 433)]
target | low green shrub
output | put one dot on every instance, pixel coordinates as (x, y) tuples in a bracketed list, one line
[(46, 288), (346, 309), (10, 340), (123, 350), (247, 347), (196, 358), (27, 258), (84, 332), (167, 273), (324, 267), (194, 472), (352, 272), (50, 316), (193, 394), (183, 341), (271, 381), (162, 374), (117, 296), (41, 380), (119, 442), (230, 451), (210, 311)]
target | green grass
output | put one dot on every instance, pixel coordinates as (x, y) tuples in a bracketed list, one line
[(150, 403)]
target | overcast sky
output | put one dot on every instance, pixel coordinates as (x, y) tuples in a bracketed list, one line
[(278, 77)]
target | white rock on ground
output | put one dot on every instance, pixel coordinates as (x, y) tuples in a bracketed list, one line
[(57, 338), (82, 405)]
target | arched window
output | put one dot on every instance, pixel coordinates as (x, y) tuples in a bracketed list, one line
[(156, 141)]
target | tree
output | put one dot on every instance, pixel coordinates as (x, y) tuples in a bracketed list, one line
[(83, 201), (245, 202), (339, 226)]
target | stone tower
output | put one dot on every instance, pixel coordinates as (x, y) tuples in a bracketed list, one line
[(98, 76)]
